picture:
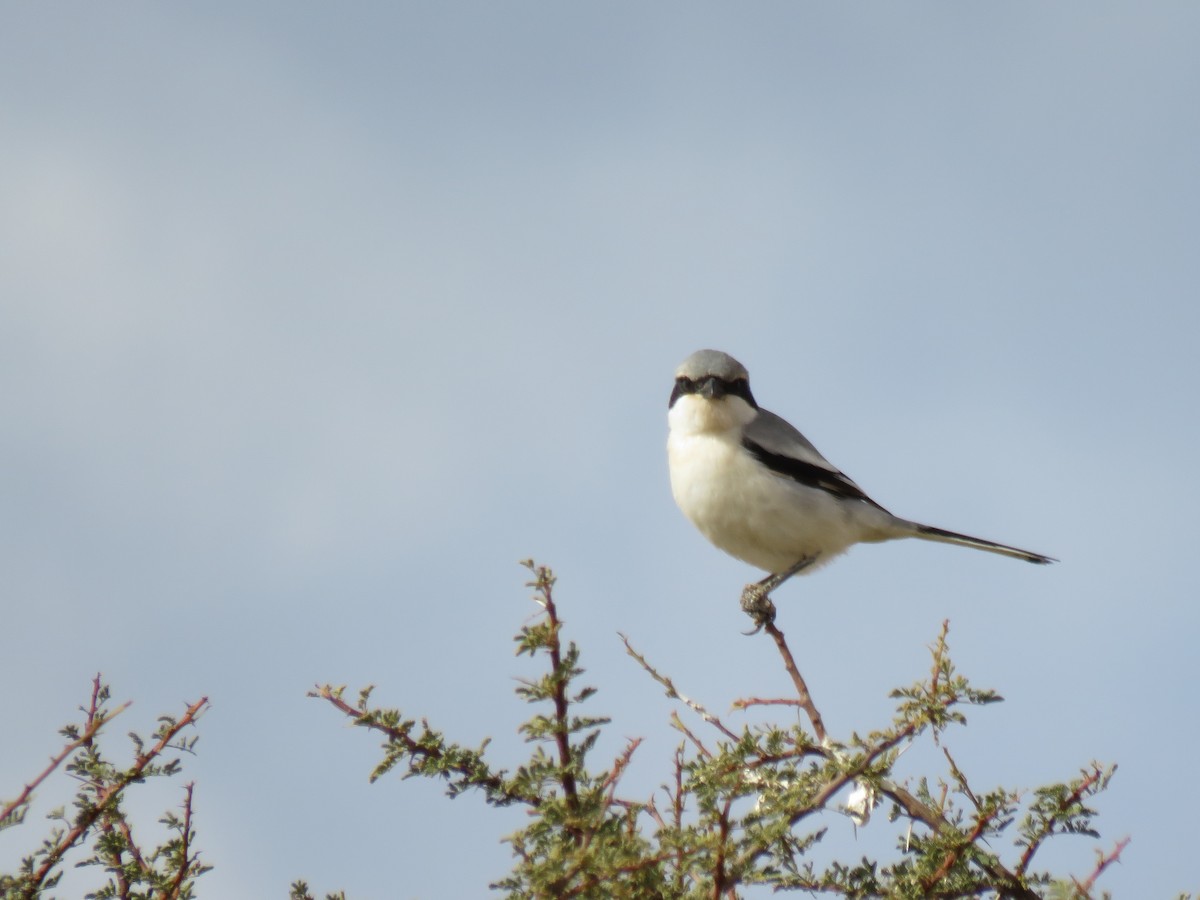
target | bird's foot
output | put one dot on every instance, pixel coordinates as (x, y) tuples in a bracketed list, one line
[(756, 603), (756, 598)]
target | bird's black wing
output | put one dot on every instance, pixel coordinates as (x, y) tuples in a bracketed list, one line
[(785, 451)]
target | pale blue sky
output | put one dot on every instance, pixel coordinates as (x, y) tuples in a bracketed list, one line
[(314, 319)]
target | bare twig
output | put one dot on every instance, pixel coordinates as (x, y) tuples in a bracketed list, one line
[(696, 742), (1105, 860), (650, 808), (618, 769), (759, 701), (674, 693), (805, 698), (958, 775)]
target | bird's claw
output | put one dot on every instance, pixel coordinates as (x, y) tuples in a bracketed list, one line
[(756, 598), (756, 603)]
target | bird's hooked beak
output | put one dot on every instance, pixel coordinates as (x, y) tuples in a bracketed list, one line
[(711, 388)]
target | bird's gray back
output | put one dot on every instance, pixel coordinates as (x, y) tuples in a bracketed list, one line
[(777, 435)]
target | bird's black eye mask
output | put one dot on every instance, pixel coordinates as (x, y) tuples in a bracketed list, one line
[(712, 387)]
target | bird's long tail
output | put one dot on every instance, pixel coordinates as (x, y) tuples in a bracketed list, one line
[(929, 533)]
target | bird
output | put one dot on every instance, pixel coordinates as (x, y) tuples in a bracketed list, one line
[(759, 490)]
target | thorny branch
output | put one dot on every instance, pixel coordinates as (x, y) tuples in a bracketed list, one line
[(1067, 802), (794, 776), (545, 588), (913, 807), (109, 795), (493, 784), (185, 838), (918, 811), (94, 724)]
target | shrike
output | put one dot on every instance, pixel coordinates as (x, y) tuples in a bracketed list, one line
[(757, 489)]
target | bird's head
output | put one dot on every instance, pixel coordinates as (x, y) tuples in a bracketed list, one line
[(712, 393)]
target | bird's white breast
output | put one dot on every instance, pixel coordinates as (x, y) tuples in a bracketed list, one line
[(741, 506)]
